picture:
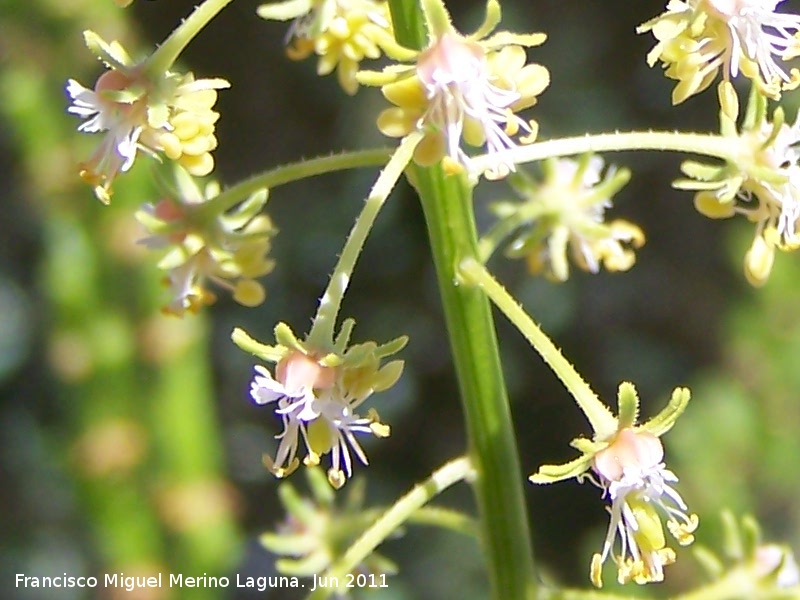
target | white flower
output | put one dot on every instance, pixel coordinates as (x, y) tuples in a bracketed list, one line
[(315, 405), (633, 476), (760, 34), (458, 84), (123, 122)]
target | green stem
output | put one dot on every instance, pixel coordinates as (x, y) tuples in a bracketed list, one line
[(321, 334), (289, 173), (600, 418), (168, 52), (441, 479), (446, 518), (447, 203), (694, 143)]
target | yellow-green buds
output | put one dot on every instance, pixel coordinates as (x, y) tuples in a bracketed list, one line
[(763, 183), (698, 38), (318, 529), (562, 217), (228, 249), (754, 568), (316, 391), (463, 89), (161, 113), (341, 32), (627, 464)]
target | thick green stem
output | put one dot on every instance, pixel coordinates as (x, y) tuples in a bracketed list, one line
[(388, 523), (693, 143), (447, 203)]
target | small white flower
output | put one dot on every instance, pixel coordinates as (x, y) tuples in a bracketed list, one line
[(760, 34), (123, 122), (458, 84), (633, 477), (314, 405)]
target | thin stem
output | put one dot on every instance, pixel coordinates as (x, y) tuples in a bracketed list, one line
[(441, 479), (321, 334), (289, 173), (599, 416), (446, 518), (167, 53), (694, 143)]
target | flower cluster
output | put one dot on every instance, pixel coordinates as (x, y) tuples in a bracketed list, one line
[(760, 569), (318, 529), (463, 88), (564, 215), (697, 38), (626, 462), (138, 107), (228, 249), (316, 392), (341, 32), (763, 183)]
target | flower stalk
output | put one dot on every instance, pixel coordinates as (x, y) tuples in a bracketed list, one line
[(600, 418), (388, 523), (447, 204), (693, 143), (321, 333)]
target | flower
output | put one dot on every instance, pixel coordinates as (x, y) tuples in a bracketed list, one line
[(626, 462), (697, 38), (762, 183), (161, 113), (228, 249), (341, 32), (564, 214), (463, 89), (317, 528), (316, 393)]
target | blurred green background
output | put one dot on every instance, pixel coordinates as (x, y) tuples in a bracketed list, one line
[(127, 440)]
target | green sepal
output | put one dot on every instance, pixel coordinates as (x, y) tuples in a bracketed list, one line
[(284, 11), (554, 473), (392, 347), (287, 544), (126, 96), (751, 536), (691, 185), (708, 561), (343, 337), (113, 54), (702, 171), (314, 563), (247, 210), (663, 421), (628, 405), (506, 38), (491, 19), (286, 337), (586, 446), (320, 488), (267, 353), (385, 76), (388, 375), (756, 111)]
